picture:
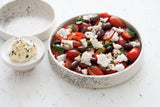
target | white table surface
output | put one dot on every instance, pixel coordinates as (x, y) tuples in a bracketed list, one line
[(43, 88)]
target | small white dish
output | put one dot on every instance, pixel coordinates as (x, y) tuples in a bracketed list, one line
[(26, 66), (26, 17)]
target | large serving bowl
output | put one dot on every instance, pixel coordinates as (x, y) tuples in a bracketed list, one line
[(89, 81)]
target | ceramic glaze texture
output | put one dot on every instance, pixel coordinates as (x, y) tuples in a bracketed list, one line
[(26, 17), (95, 81)]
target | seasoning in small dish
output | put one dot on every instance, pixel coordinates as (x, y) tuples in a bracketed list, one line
[(22, 51)]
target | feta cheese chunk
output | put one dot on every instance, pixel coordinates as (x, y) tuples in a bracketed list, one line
[(118, 30), (61, 57), (61, 63), (86, 57), (110, 66), (78, 58), (90, 35), (94, 29), (84, 71), (109, 56), (79, 68), (104, 19), (121, 58), (96, 44), (84, 42), (116, 46), (118, 67), (115, 37), (135, 43), (64, 32), (103, 60), (116, 52), (88, 17), (67, 44)]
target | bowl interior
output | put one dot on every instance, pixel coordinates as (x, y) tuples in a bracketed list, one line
[(72, 21), (25, 17)]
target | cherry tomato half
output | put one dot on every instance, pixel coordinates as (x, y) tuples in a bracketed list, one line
[(121, 41), (68, 62), (115, 21), (108, 35), (82, 25), (95, 70), (72, 53), (126, 35), (104, 15), (133, 54), (76, 44)]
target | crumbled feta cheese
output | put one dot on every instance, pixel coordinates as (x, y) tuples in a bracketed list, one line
[(118, 30), (88, 17), (61, 57), (78, 58), (109, 56), (103, 60), (121, 58), (116, 46), (104, 19), (84, 71), (64, 32), (118, 67), (86, 57), (78, 68), (115, 37), (96, 44), (90, 35), (67, 44), (134, 43), (110, 66), (84, 42), (100, 24), (94, 29), (61, 63), (116, 52)]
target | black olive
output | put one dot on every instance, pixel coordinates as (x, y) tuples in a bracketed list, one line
[(57, 41), (100, 33), (74, 65), (85, 29), (128, 46), (93, 61), (93, 20), (109, 49), (106, 26), (81, 48)]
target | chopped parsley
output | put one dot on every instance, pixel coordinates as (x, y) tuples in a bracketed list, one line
[(74, 28), (107, 44), (79, 20), (58, 48), (121, 49), (89, 44), (132, 33)]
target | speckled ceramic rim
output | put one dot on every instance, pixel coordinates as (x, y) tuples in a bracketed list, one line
[(37, 33), (31, 62), (100, 76)]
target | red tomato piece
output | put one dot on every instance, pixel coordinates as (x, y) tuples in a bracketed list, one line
[(59, 37), (82, 25), (72, 53), (77, 34), (68, 62), (104, 15), (82, 65), (76, 44), (133, 54), (108, 35), (95, 55), (78, 71), (121, 41), (95, 70), (126, 35), (115, 21), (74, 38), (109, 71), (55, 53)]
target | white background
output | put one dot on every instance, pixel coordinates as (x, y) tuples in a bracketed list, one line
[(43, 88)]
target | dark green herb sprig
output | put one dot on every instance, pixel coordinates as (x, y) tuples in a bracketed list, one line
[(132, 33), (58, 48), (79, 20), (107, 44)]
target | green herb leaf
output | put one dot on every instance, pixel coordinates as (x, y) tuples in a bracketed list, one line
[(79, 20), (58, 48), (121, 49), (89, 44), (74, 28), (27, 56), (107, 44), (132, 33)]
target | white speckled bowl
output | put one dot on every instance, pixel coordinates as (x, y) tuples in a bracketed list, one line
[(95, 81), (26, 66), (25, 18)]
